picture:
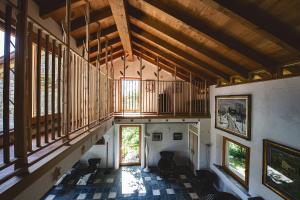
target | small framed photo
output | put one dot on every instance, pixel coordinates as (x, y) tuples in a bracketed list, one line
[(281, 170), (156, 136), (177, 136)]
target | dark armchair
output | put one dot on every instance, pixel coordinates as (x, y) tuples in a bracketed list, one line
[(166, 164)]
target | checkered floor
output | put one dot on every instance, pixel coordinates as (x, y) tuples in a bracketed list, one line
[(125, 183)]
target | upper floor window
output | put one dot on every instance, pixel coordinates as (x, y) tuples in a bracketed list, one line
[(236, 160)]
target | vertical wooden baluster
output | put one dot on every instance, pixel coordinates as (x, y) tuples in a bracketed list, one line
[(190, 104), (53, 120), (174, 91), (38, 89), (20, 113), (29, 86), (68, 51), (6, 84), (46, 88), (59, 100), (205, 105)]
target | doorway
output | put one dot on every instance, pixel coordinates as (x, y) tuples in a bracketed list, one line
[(130, 145)]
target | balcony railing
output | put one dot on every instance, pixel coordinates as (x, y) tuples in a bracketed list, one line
[(134, 97)]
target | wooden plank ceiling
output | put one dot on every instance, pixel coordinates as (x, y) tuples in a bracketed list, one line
[(215, 40)]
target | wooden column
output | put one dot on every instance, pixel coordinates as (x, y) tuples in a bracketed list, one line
[(53, 121), (141, 83), (124, 67), (59, 120), (6, 83), (106, 65), (29, 86), (20, 87), (88, 60), (157, 97), (68, 74), (190, 109), (46, 89), (38, 88), (174, 91)]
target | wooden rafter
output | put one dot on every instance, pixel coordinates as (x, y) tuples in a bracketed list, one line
[(179, 52), (254, 18), (105, 32), (120, 16), (114, 56), (136, 14), (143, 45), (220, 38), (95, 16), (49, 8), (113, 41), (102, 55)]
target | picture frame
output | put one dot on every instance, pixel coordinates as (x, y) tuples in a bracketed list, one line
[(281, 169), (233, 114), (177, 136), (156, 136)]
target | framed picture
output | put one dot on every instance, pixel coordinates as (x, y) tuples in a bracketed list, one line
[(177, 136), (281, 170), (233, 115), (156, 136)]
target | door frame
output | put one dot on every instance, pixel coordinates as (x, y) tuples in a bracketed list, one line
[(120, 145)]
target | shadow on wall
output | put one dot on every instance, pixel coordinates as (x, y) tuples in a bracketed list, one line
[(180, 147), (99, 151)]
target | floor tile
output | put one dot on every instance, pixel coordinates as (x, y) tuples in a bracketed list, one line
[(112, 195), (194, 195), (187, 185), (155, 192), (170, 191), (182, 176), (97, 195), (50, 197), (147, 178), (81, 196)]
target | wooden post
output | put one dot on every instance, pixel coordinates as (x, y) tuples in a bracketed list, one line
[(68, 74), (190, 94), (123, 100), (174, 91), (53, 90), (59, 91), (205, 99), (29, 86), (46, 89), (106, 65), (88, 60), (157, 97), (20, 87), (6, 81), (141, 82), (38, 89)]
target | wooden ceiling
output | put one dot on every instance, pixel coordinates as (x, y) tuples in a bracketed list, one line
[(220, 41)]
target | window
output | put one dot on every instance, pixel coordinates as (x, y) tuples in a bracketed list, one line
[(236, 160)]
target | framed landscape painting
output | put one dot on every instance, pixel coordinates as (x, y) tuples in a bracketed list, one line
[(233, 115), (281, 170)]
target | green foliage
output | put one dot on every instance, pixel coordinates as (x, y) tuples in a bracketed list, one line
[(237, 155)]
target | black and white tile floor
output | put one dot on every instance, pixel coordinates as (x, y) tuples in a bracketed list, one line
[(129, 183)]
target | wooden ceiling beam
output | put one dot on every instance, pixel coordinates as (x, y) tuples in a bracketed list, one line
[(49, 8), (179, 52), (116, 49), (140, 44), (136, 14), (95, 16), (251, 16), (219, 37), (114, 56), (120, 16), (107, 31), (113, 41), (152, 60)]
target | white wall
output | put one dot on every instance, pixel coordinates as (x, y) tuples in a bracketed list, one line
[(275, 116), (99, 151), (167, 143)]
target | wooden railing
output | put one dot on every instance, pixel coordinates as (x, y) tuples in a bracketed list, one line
[(51, 94), (152, 97)]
